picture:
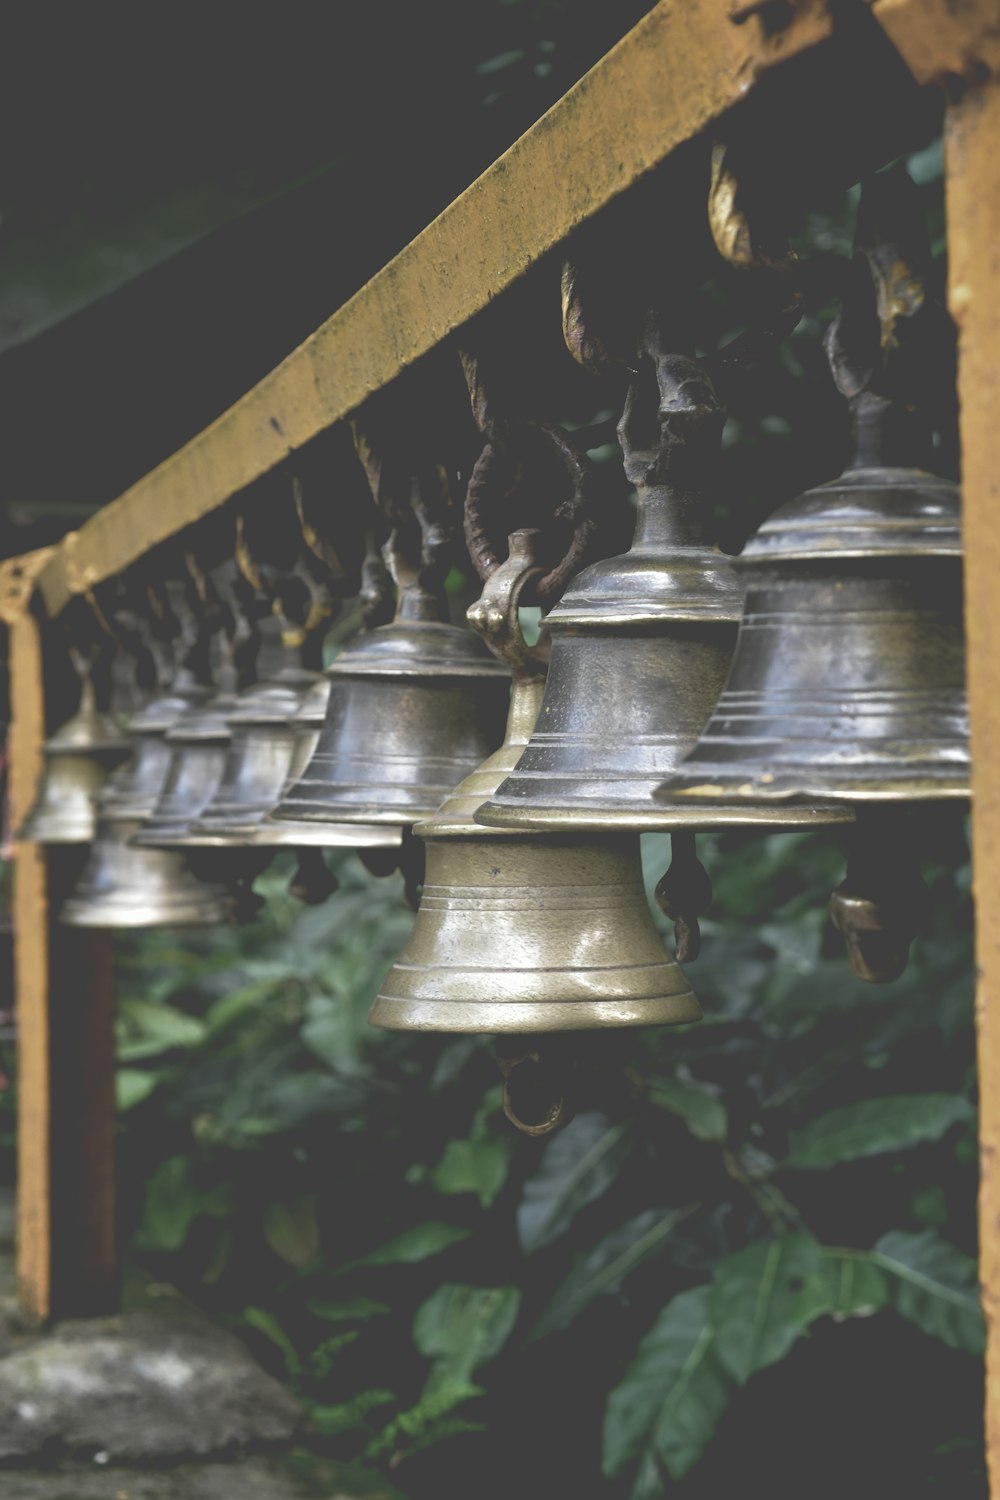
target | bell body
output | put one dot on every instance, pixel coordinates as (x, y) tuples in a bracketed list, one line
[(198, 743), (414, 707), (123, 886), (848, 679), (78, 758), (262, 739), (641, 645), (519, 933), (308, 722), (134, 789)]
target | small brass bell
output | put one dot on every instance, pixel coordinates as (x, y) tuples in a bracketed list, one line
[(199, 741), (414, 706), (848, 679), (257, 760), (78, 758), (122, 886), (307, 723), (519, 933)]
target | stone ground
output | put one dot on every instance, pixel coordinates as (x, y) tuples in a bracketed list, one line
[(154, 1404)]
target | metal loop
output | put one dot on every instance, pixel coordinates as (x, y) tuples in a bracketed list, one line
[(493, 487)]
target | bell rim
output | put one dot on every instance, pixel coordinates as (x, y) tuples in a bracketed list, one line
[(355, 835), (785, 788), (429, 1014), (366, 656), (213, 913), (708, 818)]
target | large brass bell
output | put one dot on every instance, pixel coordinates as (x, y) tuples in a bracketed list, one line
[(525, 934), (123, 886), (848, 678), (414, 706), (78, 759)]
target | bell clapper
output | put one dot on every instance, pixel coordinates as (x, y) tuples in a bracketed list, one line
[(880, 905), (684, 893), (312, 882), (536, 1092), (411, 859)]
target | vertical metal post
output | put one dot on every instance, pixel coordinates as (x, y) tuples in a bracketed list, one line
[(973, 206), (66, 1247)]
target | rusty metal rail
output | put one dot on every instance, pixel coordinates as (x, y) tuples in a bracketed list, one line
[(688, 65)]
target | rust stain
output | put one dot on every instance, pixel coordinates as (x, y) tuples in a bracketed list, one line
[(973, 204)]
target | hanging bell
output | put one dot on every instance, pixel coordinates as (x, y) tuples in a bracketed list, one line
[(308, 723), (414, 706), (78, 758), (198, 741), (257, 760), (123, 886), (521, 933), (848, 678)]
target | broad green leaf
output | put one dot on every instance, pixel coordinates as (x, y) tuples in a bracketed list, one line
[(874, 1126), (173, 1202), (354, 1309), (475, 1166), (462, 1327), (935, 1286), (577, 1166), (416, 1244), (428, 1421), (672, 1398), (239, 1002), (291, 1230), (704, 1114), (604, 1268), (132, 1086), (763, 1298)]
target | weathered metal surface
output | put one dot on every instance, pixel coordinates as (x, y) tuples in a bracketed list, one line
[(943, 41), (674, 73), (972, 162)]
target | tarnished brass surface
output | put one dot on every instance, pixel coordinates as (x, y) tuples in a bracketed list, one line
[(198, 742), (414, 707), (848, 679), (78, 759), (307, 723), (525, 934), (133, 790), (257, 759), (641, 643), (127, 887)]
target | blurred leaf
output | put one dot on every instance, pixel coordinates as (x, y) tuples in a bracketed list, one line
[(873, 1126), (174, 1201), (145, 1029), (355, 1309), (462, 1327), (762, 1299), (333, 1421), (267, 1324), (475, 1166), (291, 1230), (323, 1358), (703, 1113), (935, 1286), (857, 1287), (132, 1087), (577, 1166), (672, 1398), (416, 1244), (604, 1268)]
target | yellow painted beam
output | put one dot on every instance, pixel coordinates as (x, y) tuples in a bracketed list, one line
[(671, 76), (972, 160)]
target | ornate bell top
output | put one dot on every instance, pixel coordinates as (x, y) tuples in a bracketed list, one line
[(89, 731), (162, 713), (669, 433), (273, 702), (416, 648), (204, 722)]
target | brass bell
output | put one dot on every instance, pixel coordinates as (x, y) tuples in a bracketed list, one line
[(198, 741), (641, 643), (848, 678), (257, 760), (307, 722), (414, 706), (78, 758), (122, 886), (519, 933)]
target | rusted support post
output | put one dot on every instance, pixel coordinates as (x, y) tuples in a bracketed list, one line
[(66, 1253), (973, 200)]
